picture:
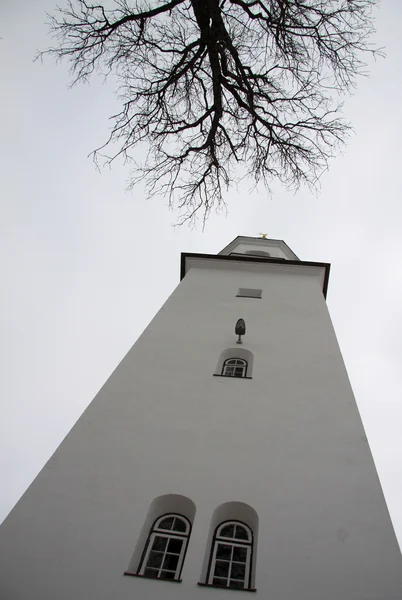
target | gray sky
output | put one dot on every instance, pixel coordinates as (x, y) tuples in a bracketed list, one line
[(85, 266)]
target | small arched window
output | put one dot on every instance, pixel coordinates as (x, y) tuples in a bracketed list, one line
[(234, 367), (231, 556), (165, 548)]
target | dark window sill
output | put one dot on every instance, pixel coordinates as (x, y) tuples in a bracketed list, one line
[(220, 587), (254, 297), (153, 578), (227, 377)]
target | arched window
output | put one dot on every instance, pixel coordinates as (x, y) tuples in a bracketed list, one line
[(234, 367), (165, 548), (231, 556), (235, 362)]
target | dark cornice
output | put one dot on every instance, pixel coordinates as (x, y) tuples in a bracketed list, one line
[(252, 259)]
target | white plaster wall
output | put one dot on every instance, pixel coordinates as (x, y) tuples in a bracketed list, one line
[(288, 442)]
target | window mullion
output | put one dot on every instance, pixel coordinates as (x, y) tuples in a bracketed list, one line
[(248, 565), (146, 557), (230, 566), (164, 556), (181, 558), (213, 562)]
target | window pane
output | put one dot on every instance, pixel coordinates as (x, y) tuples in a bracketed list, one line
[(166, 523), (155, 559), (151, 572), (179, 525), (220, 582), (171, 561), (236, 584), (241, 533), (238, 571), (227, 531), (221, 568), (224, 551), (159, 543), (175, 546), (167, 575), (239, 554)]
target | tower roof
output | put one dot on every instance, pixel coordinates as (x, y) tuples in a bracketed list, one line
[(245, 245)]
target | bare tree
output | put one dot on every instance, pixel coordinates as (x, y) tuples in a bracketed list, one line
[(219, 89)]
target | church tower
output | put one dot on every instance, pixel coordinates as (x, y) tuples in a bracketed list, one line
[(224, 454)]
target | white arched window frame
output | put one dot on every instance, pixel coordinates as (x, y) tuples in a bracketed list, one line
[(231, 556), (165, 548), (234, 367)]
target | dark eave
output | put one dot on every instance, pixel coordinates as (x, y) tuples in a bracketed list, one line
[(252, 259)]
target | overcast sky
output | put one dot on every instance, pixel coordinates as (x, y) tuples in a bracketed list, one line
[(85, 266)]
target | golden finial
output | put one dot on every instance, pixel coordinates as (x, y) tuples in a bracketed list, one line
[(263, 235)]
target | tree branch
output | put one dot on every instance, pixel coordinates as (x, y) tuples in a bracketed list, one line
[(216, 90)]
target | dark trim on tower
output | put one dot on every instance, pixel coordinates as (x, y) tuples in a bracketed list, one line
[(228, 377), (220, 587), (151, 578)]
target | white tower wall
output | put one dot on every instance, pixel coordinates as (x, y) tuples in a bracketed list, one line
[(288, 442)]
